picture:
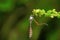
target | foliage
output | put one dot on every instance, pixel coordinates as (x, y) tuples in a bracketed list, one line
[(50, 13)]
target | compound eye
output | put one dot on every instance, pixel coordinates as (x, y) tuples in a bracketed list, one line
[(31, 18)]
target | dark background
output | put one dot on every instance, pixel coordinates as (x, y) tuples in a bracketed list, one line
[(14, 20)]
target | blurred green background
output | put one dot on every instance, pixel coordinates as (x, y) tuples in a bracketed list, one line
[(14, 20)]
